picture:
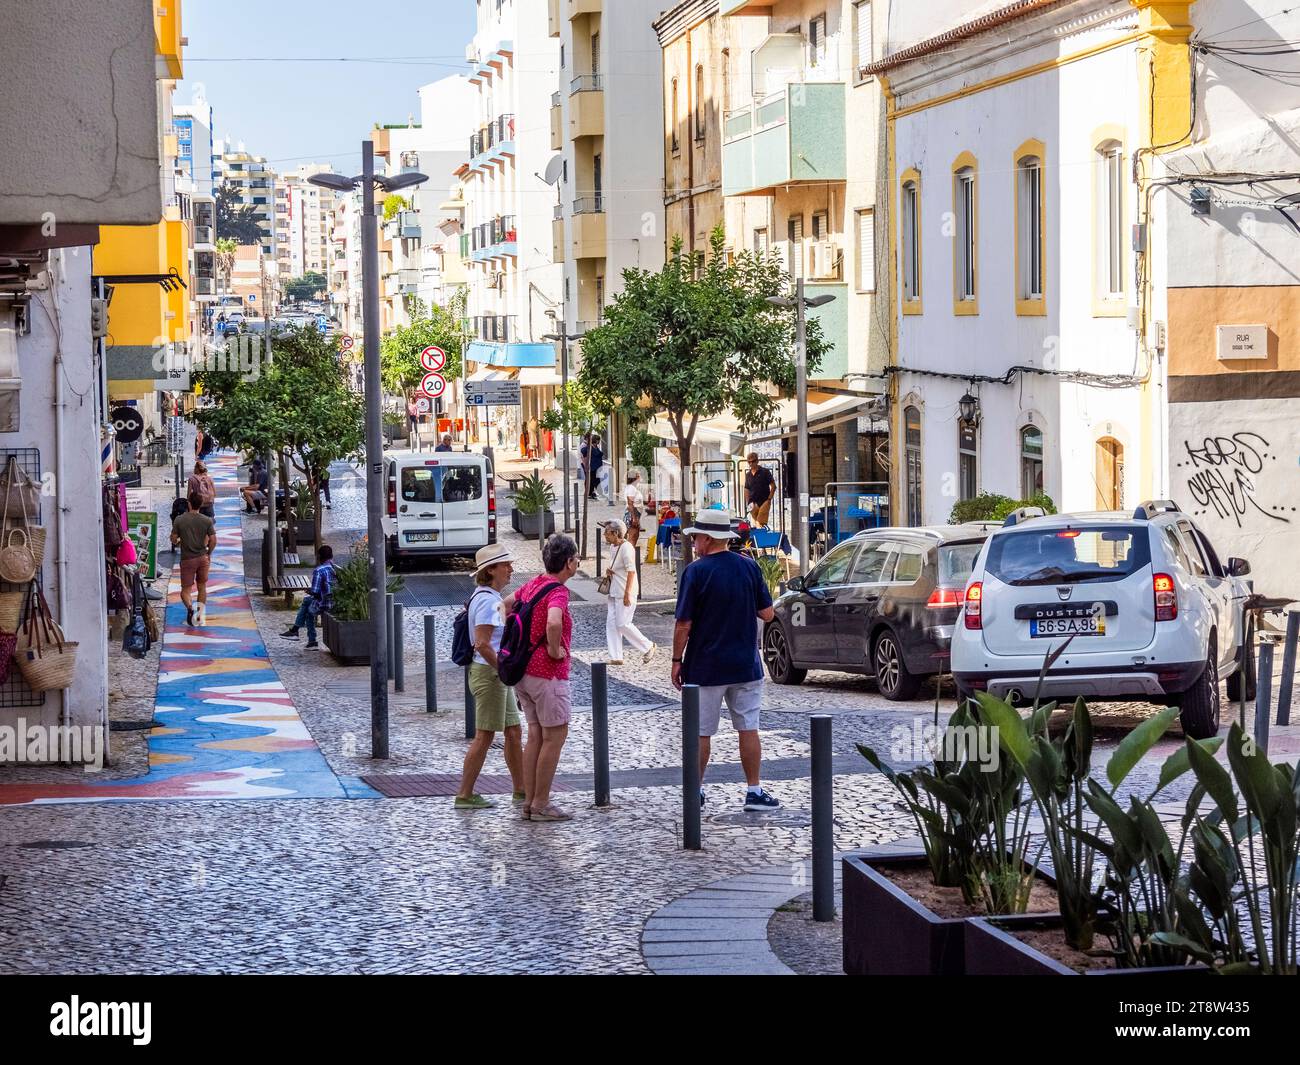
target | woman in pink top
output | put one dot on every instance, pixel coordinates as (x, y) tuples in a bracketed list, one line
[(543, 693)]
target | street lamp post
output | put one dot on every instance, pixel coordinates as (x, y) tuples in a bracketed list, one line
[(563, 338), (379, 636), (800, 303)]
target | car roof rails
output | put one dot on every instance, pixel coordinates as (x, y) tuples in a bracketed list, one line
[(1148, 510), (1023, 514)]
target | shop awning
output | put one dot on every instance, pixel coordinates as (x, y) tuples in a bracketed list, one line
[(511, 355), (539, 377), (487, 373)]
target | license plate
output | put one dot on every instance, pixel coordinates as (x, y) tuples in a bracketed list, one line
[(421, 537), (1068, 627)]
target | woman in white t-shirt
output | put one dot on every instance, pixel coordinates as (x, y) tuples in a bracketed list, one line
[(635, 500), (622, 597), (495, 709)]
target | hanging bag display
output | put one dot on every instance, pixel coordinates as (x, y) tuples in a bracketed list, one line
[(17, 563), (46, 660), (22, 495), (11, 610), (118, 597)]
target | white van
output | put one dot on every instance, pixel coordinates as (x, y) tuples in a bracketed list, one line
[(439, 504)]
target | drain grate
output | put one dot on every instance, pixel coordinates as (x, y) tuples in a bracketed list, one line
[(428, 785), (55, 844), (130, 726)]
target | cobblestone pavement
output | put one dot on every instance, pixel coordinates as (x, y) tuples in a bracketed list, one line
[(413, 885)]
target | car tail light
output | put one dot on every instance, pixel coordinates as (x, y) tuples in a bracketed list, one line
[(942, 597), (974, 598), (492, 496), (1166, 597), (392, 498)]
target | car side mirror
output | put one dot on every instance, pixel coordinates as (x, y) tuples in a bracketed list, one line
[(795, 584), (1238, 567)]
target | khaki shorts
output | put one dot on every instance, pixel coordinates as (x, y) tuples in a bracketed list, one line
[(194, 569), (744, 701), (544, 702), (495, 709), (760, 511)]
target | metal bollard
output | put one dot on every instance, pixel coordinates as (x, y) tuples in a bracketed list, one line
[(430, 667), (637, 549), (388, 618), (577, 510), (691, 767), (599, 554), (469, 708), (399, 647), (600, 730), (1263, 694), (1288, 668), (823, 820)]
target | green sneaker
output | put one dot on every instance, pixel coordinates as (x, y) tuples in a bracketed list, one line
[(474, 802), (517, 797)]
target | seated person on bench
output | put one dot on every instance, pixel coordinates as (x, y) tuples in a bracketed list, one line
[(256, 491)]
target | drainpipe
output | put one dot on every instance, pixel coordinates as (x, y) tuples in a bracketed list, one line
[(61, 512), (689, 145)]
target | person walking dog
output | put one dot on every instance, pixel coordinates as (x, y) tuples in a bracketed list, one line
[(723, 597), (544, 692), (623, 589)]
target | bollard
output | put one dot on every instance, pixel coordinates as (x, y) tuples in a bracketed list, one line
[(599, 553), (430, 667), (399, 647), (1288, 668), (600, 730), (823, 815), (691, 767), (388, 617), (637, 548), (577, 512), (469, 708), (1263, 694)]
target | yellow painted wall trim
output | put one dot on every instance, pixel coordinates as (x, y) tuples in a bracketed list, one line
[(1036, 307), (961, 307), (1017, 75)]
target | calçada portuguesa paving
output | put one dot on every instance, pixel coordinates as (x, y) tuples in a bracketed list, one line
[(248, 843)]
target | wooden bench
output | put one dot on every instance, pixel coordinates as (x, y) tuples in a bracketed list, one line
[(513, 481), (285, 583)]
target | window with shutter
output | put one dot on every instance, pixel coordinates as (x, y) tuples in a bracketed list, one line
[(867, 250), (794, 233), (863, 41)]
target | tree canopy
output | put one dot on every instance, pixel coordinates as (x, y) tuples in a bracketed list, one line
[(235, 220), (399, 351), (307, 287), (698, 338)]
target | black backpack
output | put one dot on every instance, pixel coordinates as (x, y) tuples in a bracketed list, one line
[(462, 644), (516, 647)]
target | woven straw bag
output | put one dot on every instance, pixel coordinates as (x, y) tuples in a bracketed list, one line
[(35, 538), (11, 610), (46, 661), (22, 495), (17, 562)]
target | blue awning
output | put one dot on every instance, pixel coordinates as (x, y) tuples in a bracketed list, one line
[(512, 355)]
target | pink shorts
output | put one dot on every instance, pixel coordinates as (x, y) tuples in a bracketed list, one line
[(544, 702)]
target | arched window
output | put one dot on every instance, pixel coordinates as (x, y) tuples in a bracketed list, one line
[(1031, 461), (1108, 199), (912, 444), (965, 208), (676, 141), (1031, 227)]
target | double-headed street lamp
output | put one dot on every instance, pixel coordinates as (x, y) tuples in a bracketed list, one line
[(801, 304), (368, 181), (562, 338)]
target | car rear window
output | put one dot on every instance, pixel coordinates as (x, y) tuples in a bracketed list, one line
[(956, 563), (1068, 556)]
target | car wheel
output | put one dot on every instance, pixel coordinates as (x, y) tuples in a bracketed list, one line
[(1199, 704), (1245, 674), (892, 676), (779, 657)]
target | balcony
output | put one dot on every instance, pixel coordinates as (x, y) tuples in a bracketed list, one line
[(557, 123), (791, 137), (408, 281), (582, 328), (496, 239), (584, 7), (204, 237), (557, 237), (496, 328), (410, 163), (405, 225), (746, 7), (587, 106), (204, 286), (493, 143), (588, 233), (553, 18)]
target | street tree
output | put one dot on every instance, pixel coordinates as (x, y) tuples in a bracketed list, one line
[(698, 338), (577, 413), (225, 262), (236, 220), (399, 351), (307, 287), (299, 404)]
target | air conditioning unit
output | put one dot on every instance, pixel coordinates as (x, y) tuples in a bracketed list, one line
[(823, 260)]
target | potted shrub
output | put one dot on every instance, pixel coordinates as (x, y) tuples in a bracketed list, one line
[(304, 514), (346, 628), (532, 515), (970, 812)]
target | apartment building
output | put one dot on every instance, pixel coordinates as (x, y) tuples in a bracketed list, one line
[(195, 178), (253, 182), (509, 207), (304, 223)]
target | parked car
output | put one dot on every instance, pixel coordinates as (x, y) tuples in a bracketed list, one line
[(438, 504), (1154, 615), (882, 603)]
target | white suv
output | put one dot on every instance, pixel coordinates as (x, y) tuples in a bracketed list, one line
[(1154, 614)]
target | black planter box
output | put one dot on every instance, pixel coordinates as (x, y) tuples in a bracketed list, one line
[(889, 933), (527, 524), (305, 530), (348, 641), (992, 950)]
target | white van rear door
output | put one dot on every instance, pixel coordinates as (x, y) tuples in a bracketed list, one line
[(463, 493), (419, 512)]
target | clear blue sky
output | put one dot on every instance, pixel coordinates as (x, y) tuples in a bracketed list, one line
[(303, 112)]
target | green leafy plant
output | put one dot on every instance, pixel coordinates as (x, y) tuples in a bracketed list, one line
[(990, 506), (399, 351), (641, 446), (393, 203), (773, 570), (352, 586), (303, 507), (534, 495)]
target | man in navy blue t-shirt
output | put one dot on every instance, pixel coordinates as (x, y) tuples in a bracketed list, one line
[(722, 599)]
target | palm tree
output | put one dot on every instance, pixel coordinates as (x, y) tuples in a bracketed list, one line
[(225, 261)]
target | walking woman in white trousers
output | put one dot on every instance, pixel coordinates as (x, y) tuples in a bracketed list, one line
[(622, 597)]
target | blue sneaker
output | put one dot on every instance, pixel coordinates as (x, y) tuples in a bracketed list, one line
[(760, 802)]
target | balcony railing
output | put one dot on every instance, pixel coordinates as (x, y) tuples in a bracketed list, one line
[(202, 234), (555, 99), (557, 212), (498, 231), (587, 83), (594, 204), (408, 281), (501, 130), (204, 286), (497, 328), (582, 328)]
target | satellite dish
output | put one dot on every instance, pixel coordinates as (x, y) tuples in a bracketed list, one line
[(553, 170)]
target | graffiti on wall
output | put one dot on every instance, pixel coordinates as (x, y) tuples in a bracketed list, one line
[(1221, 474)]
